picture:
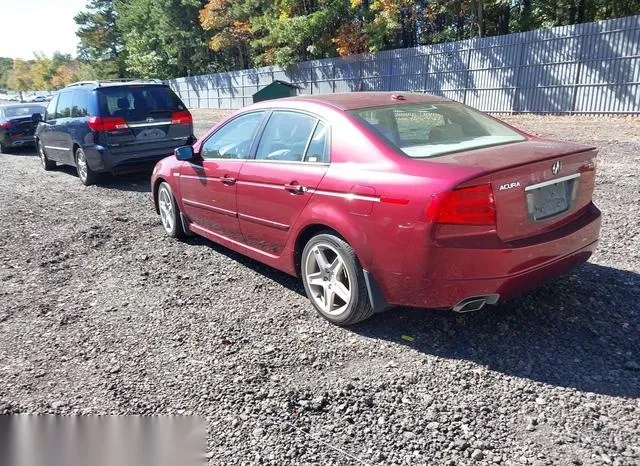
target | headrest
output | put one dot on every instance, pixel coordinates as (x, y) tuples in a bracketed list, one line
[(123, 103)]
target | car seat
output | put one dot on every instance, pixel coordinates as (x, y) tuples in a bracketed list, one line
[(123, 108), (449, 133), (387, 132)]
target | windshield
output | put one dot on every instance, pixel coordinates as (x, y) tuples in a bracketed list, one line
[(138, 102), (429, 130), (13, 112)]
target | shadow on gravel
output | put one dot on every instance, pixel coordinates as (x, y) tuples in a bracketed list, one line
[(581, 331), (134, 182), (281, 278), (138, 182), (22, 152)]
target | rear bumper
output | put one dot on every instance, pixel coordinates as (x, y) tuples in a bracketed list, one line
[(461, 272), (20, 141), (101, 159)]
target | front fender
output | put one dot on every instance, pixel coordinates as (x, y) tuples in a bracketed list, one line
[(167, 169)]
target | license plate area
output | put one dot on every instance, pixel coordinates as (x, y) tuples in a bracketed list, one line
[(551, 198)]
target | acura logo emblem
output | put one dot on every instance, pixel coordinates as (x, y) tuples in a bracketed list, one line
[(555, 169)]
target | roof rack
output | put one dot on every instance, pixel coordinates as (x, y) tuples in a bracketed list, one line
[(117, 80)]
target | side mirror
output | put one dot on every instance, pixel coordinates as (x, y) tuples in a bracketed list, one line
[(36, 118), (184, 153)]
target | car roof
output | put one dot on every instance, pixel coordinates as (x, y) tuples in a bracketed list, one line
[(115, 83), (355, 100)]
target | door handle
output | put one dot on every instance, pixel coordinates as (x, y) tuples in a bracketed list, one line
[(295, 188), (228, 180)]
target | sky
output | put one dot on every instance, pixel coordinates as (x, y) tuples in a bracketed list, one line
[(28, 26)]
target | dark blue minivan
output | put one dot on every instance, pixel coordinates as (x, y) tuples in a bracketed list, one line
[(112, 126)]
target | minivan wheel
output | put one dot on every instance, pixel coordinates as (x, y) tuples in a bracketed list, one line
[(334, 281), (4, 149), (169, 212), (44, 160), (86, 175)]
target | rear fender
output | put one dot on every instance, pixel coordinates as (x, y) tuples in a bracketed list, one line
[(334, 218)]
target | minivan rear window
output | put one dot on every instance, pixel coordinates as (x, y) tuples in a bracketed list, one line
[(136, 103)]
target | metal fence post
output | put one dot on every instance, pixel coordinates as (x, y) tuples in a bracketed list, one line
[(426, 73), (515, 101), (576, 80), (466, 81)]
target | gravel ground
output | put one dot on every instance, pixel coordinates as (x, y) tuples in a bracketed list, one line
[(101, 313)]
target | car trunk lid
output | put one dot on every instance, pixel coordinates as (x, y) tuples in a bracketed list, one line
[(538, 185), (20, 127)]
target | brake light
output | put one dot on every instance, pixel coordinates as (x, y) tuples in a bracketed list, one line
[(464, 206), (181, 118), (107, 123), (6, 124)]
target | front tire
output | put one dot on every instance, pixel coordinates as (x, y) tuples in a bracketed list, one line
[(334, 281), (86, 175), (44, 160), (169, 211)]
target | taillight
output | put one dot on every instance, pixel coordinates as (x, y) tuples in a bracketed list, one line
[(107, 123), (464, 206), (6, 124), (181, 118)]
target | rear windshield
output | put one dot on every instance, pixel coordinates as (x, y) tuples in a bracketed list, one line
[(13, 112), (138, 102), (429, 130)]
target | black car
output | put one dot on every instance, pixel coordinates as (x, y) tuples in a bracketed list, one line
[(18, 125), (112, 126)]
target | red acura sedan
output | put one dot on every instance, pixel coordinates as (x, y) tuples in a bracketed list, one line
[(377, 200)]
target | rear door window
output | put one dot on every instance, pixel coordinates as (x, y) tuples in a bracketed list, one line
[(318, 150), (80, 104), (286, 136), (139, 102), (65, 102)]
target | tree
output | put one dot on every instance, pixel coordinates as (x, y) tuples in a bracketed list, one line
[(5, 66), (100, 39), (293, 31), (163, 38), (20, 79), (229, 23)]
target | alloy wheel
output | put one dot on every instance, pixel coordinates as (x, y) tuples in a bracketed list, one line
[(328, 279), (43, 157), (165, 205), (81, 165)]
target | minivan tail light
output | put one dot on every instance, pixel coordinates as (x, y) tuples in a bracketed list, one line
[(181, 118), (6, 124), (106, 123), (464, 206)]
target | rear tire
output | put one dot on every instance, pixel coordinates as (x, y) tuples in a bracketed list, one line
[(44, 160), (86, 175), (334, 281), (4, 149), (169, 211)]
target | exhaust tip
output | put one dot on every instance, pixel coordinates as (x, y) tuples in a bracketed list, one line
[(475, 303)]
